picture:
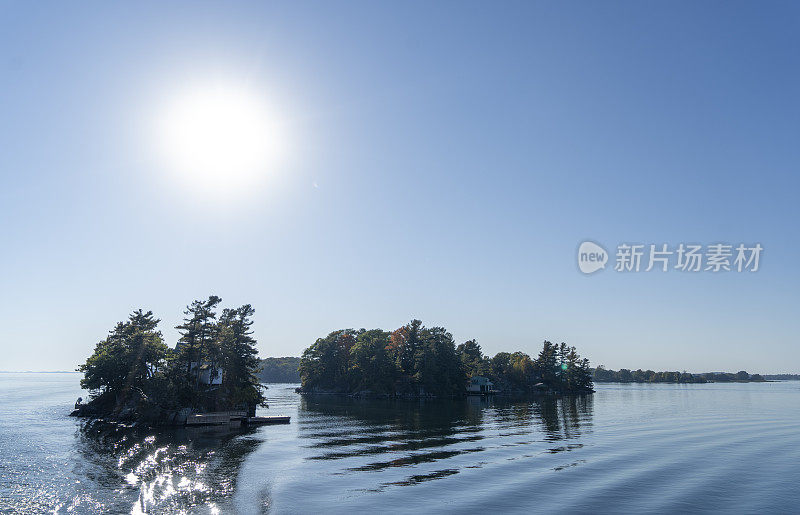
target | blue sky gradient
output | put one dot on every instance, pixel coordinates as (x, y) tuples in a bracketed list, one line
[(446, 161)]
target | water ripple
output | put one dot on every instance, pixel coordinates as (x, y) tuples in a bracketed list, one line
[(628, 448)]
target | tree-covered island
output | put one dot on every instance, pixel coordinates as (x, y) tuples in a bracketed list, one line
[(280, 370), (134, 376), (416, 361)]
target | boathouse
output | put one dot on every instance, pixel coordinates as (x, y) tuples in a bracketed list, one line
[(479, 385)]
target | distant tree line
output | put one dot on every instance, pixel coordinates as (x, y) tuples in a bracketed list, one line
[(623, 375), (132, 370), (782, 377), (729, 377), (417, 360), (280, 370)]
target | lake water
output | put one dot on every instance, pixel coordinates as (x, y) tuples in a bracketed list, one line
[(628, 448)]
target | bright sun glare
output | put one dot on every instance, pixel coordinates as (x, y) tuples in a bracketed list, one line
[(221, 140)]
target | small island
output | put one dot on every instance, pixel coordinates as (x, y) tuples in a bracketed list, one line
[(211, 374), (280, 370), (416, 361)]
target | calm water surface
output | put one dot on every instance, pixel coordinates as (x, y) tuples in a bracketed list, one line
[(628, 448)]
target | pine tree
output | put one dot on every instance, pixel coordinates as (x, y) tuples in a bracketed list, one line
[(127, 359), (405, 343), (197, 343), (239, 357)]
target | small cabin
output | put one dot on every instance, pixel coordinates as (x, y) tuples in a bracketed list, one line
[(207, 374), (480, 385), (210, 375)]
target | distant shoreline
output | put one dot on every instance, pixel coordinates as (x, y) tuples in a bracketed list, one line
[(39, 372), (699, 380)]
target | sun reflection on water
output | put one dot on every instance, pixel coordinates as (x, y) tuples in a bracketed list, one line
[(163, 470)]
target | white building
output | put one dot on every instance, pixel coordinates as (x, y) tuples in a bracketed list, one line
[(205, 375), (479, 385)]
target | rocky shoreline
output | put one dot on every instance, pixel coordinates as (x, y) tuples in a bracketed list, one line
[(134, 413), (136, 408)]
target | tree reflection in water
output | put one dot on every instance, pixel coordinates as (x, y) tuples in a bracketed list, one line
[(376, 435)]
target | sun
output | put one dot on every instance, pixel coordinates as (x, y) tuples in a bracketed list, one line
[(221, 140)]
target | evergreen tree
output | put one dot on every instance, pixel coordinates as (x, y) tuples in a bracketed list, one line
[(404, 344), (239, 357), (547, 364), (473, 360), (132, 354), (198, 342)]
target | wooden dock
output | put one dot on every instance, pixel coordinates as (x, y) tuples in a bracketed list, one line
[(268, 420), (216, 418), (231, 418)]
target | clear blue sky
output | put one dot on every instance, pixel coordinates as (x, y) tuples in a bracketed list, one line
[(446, 161)]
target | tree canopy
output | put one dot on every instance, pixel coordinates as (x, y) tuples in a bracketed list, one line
[(280, 370), (133, 365), (419, 360), (128, 358)]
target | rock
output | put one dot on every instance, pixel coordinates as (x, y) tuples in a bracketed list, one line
[(181, 416)]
